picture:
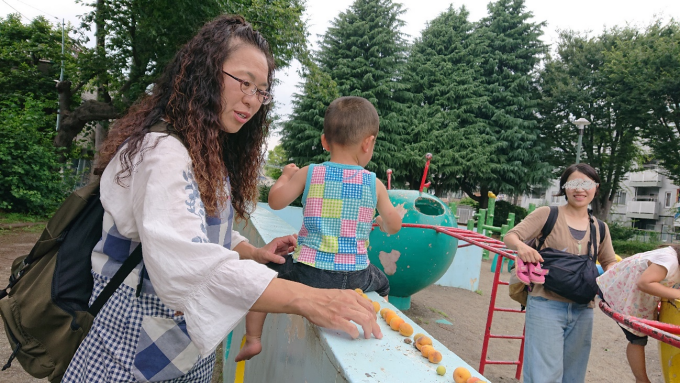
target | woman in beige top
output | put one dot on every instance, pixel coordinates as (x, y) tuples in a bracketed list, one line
[(558, 331)]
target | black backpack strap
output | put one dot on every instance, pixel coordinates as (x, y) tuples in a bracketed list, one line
[(603, 232), (593, 236), (548, 226), (125, 269)]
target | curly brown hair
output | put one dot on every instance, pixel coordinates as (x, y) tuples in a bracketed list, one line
[(188, 96)]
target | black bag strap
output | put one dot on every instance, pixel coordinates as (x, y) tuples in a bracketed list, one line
[(593, 237), (548, 226), (600, 224), (125, 269)]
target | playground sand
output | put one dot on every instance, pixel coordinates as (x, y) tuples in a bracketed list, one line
[(466, 310)]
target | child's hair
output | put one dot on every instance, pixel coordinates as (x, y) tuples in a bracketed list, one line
[(349, 120)]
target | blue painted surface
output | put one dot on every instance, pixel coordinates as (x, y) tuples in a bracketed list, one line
[(291, 214), (295, 350), (464, 270)]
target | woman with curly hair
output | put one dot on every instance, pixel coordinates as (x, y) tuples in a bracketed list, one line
[(175, 171)]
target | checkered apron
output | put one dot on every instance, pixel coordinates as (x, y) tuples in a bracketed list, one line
[(339, 204), (139, 339)]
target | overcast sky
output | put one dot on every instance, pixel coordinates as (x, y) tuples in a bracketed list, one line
[(580, 15)]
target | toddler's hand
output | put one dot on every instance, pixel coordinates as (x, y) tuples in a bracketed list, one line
[(401, 210), (289, 170), (379, 221)]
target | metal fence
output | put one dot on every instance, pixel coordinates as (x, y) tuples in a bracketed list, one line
[(651, 236), (464, 214)]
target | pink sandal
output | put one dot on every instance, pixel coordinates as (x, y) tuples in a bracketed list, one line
[(537, 273), (523, 271)]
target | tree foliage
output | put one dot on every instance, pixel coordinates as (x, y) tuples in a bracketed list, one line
[(362, 53), (276, 159), (443, 72), (577, 83), (30, 181), (644, 70), (475, 83), (511, 51), (135, 39), (30, 59)]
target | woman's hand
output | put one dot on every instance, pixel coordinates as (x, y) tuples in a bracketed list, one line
[(528, 254), (275, 250), (335, 309), (330, 308)]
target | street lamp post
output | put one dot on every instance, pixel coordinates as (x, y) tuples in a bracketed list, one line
[(581, 123)]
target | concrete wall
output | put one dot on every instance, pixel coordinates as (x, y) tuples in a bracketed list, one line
[(465, 268)]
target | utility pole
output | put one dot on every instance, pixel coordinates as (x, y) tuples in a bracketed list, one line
[(61, 75)]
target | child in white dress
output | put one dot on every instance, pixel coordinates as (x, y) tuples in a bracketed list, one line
[(634, 287)]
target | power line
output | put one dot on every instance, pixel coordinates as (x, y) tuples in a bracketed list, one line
[(39, 10), (16, 10)]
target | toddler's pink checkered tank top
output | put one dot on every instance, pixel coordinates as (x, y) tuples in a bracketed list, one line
[(339, 203)]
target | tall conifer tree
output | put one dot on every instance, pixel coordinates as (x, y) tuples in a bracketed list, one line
[(443, 71), (363, 52), (510, 53)]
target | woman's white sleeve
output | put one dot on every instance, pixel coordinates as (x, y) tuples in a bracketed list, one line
[(206, 281)]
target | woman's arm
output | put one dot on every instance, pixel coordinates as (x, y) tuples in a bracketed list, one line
[(271, 252), (528, 229), (649, 282), (525, 252), (328, 308)]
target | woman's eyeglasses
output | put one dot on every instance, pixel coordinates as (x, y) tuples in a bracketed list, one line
[(249, 88)]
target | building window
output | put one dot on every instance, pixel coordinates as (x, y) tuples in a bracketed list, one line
[(557, 198), (537, 193), (668, 199), (620, 198)]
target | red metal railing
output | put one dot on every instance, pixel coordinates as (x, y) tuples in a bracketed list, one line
[(495, 246), (663, 332)]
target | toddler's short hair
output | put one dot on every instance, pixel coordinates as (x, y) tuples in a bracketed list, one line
[(349, 120)]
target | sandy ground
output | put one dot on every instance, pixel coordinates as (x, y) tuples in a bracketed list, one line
[(466, 310)]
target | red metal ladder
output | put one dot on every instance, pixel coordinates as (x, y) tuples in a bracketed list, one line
[(497, 247)]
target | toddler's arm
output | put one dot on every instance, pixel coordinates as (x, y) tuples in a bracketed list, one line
[(389, 218), (288, 187), (649, 283)]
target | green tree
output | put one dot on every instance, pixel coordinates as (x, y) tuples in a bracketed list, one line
[(443, 72), (511, 50), (644, 70), (362, 53), (30, 181), (276, 159), (135, 39), (301, 134), (30, 56), (575, 84)]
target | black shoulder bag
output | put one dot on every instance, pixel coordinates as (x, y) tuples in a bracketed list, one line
[(573, 276)]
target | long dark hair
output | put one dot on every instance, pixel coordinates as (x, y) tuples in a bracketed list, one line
[(188, 96)]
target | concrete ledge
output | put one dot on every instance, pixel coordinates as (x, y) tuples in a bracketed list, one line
[(295, 350)]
